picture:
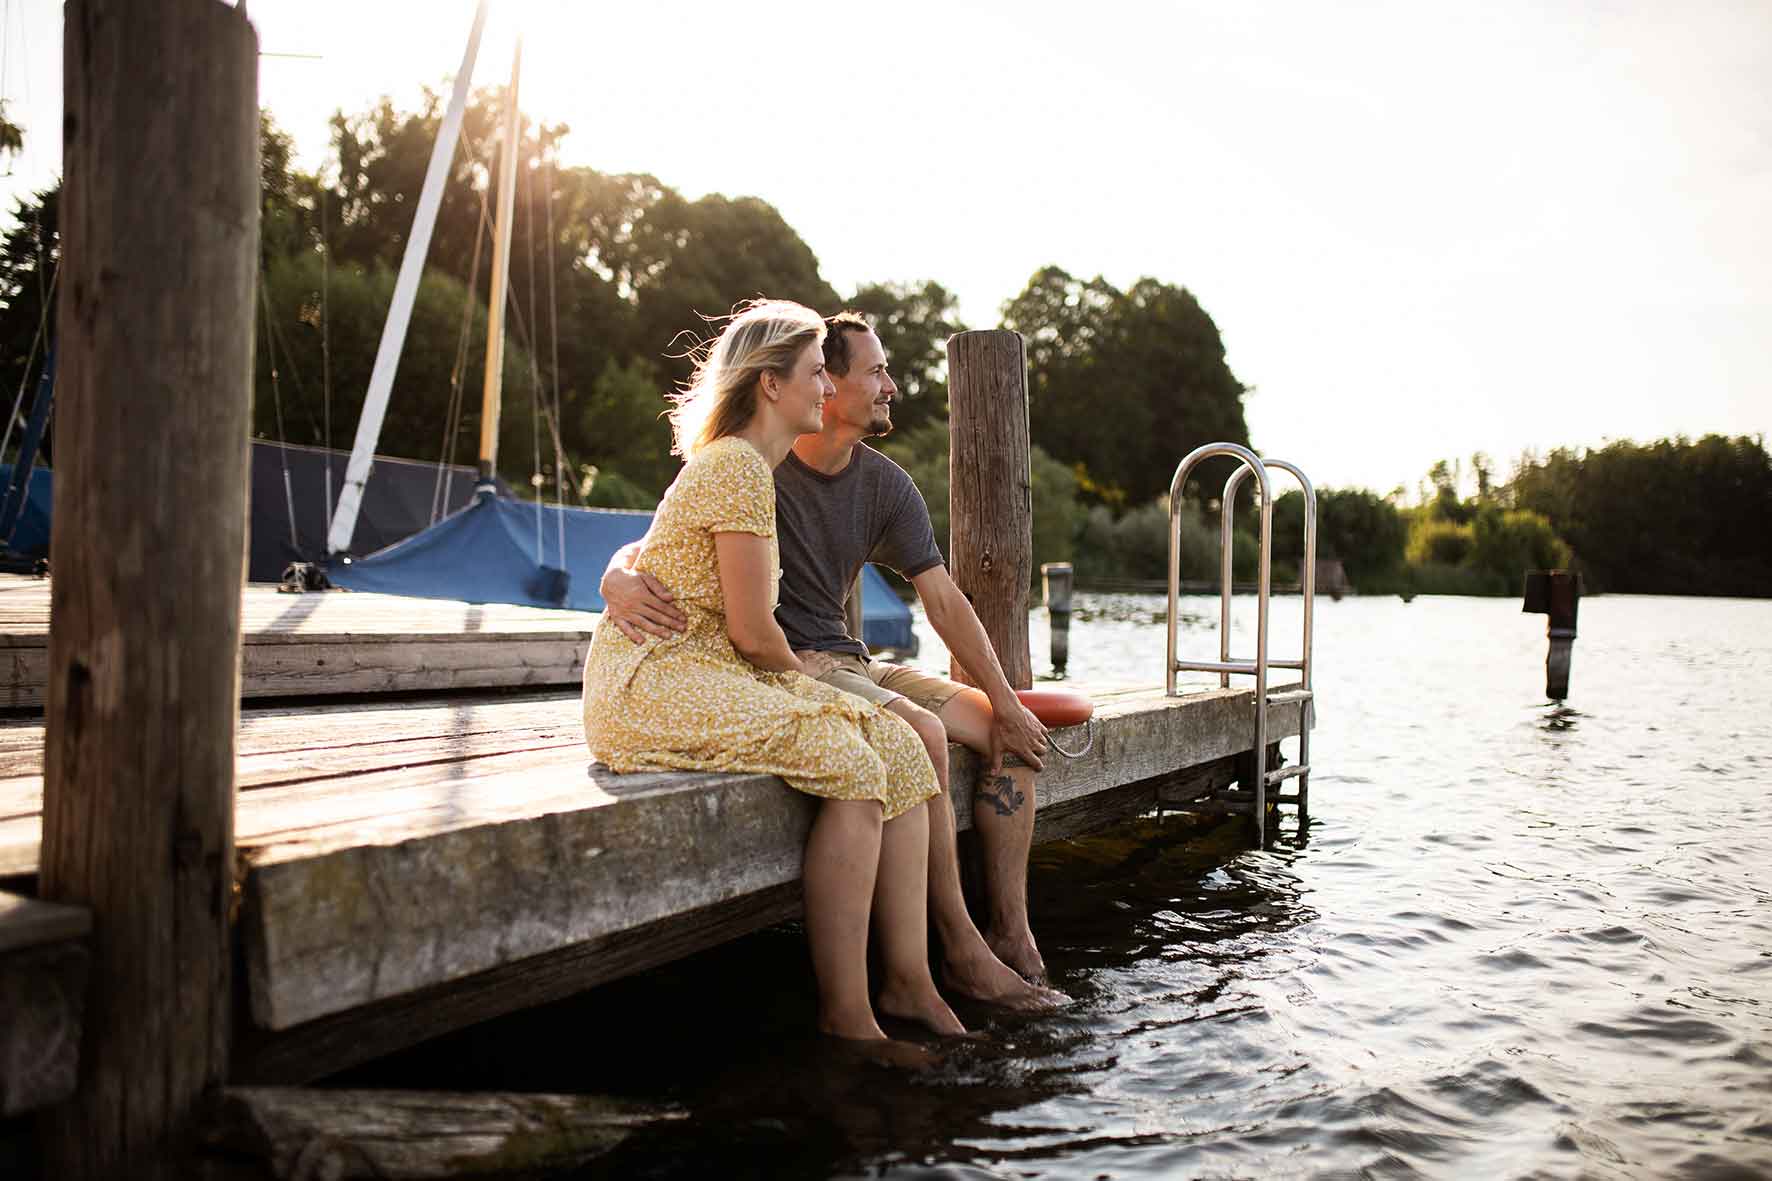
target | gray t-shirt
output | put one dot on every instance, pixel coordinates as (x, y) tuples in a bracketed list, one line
[(827, 526)]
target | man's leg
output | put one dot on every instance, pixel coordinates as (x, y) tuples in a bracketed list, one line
[(1003, 815), (968, 964)]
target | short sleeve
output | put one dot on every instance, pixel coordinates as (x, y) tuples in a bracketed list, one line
[(731, 489), (907, 542)]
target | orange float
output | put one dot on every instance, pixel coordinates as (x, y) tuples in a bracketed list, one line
[(1057, 707)]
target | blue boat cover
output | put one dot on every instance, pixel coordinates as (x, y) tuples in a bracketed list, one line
[(486, 553), (483, 553), (31, 535)]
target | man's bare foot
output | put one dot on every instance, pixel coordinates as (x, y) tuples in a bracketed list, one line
[(986, 978), (922, 1004), (884, 1051), (1020, 953)]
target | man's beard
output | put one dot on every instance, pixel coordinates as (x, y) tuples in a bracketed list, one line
[(880, 425)]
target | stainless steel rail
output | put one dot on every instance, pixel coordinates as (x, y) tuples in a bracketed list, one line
[(1249, 464)]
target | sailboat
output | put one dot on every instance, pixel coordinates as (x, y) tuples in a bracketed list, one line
[(499, 549)]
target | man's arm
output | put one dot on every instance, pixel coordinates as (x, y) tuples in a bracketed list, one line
[(1013, 727), (638, 603)]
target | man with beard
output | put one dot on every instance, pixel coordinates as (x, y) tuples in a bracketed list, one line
[(840, 503)]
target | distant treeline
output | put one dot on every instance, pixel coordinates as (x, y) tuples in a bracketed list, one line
[(613, 274)]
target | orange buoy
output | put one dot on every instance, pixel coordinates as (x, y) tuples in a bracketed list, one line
[(1057, 707)]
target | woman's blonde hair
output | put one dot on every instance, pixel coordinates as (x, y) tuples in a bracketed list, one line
[(720, 399)]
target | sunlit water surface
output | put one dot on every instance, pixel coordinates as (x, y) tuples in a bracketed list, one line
[(1515, 940)]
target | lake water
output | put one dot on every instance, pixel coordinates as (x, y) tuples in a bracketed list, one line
[(1515, 940)]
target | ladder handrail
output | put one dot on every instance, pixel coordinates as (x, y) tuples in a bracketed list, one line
[(1307, 575), (1248, 463)]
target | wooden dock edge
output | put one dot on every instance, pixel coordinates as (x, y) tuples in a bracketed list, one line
[(44, 964), (356, 951)]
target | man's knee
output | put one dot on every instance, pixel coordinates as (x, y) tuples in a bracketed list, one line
[(927, 726)]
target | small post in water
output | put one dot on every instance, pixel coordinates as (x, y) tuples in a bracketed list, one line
[(1055, 578), (1556, 593)]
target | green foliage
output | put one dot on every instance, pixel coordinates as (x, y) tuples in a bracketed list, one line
[(1671, 517), (1445, 543), (1122, 384), (1361, 528), (1509, 543), (12, 136), (621, 426), (614, 490), (417, 410)]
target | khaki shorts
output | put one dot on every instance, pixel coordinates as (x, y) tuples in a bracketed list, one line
[(879, 682)]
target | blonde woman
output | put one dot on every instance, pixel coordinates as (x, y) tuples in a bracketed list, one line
[(728, 694)]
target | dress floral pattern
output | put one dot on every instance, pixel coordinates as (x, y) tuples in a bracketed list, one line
[(692, 703)]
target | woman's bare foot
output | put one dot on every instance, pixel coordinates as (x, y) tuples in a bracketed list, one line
[(984, 977), (1020, 953), (919, 1002), (885, 1051)]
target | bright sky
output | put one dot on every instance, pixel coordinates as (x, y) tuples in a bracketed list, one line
[(1424, 229)]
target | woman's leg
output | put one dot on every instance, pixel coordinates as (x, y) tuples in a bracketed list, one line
[(842, 857), (901, 909)]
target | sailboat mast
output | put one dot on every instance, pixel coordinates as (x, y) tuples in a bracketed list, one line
[(501, 266), (393, 333)]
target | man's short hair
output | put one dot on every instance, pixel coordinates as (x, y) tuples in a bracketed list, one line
[(837, 331)]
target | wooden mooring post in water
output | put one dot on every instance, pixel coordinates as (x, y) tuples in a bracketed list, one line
[(1556, 593), (1055, 585), (990, 491), (159, 224)]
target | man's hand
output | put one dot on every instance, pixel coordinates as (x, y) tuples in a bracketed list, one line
[(640, 604), (1018, 732)]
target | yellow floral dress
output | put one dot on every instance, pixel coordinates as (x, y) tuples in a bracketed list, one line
[(691, 702)]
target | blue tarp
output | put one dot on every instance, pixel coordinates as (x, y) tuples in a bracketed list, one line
[(486, 553), (483, 553), (31, 537)]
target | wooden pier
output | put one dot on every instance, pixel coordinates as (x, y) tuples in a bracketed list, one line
[(407, 869), (337, 643)]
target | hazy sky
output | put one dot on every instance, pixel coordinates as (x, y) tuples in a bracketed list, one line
[(1424, 229)]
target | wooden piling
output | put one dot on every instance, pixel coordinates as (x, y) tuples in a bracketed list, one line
[(1055, 583), (160, 209), (990, 490)]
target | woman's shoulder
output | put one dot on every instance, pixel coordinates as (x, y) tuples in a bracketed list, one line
[(730, 458)]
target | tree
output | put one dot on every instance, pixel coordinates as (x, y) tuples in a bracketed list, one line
[(1360, 528), (1124, 384), (1671, 517)]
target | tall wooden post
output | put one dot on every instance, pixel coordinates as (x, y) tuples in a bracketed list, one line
[(991, 492), (159, 223)]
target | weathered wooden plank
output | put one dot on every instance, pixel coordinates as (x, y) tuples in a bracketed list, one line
[(31, 922), (428, 884), (340, 643), (279, 746), (433, 664), (1139, 736), (42, 1001), (302, 1133), (1116, 805), (341, 1040)]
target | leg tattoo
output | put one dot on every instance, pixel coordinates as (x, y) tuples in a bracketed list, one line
[(1000, 793)]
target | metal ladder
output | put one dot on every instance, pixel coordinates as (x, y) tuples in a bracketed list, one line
[(1250, 464)]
